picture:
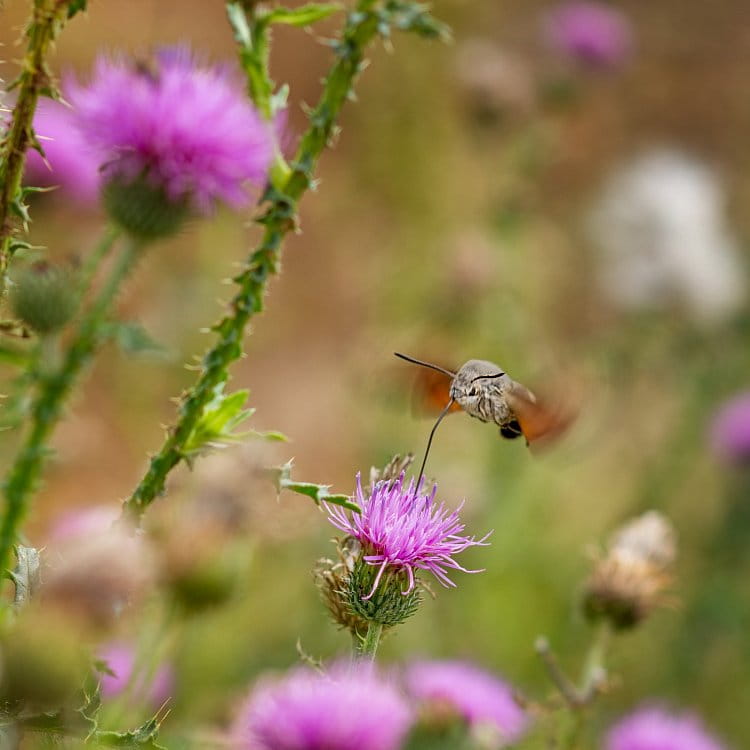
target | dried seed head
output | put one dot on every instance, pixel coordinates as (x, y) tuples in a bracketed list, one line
[(397, 466), (629, 581), (331, 579)]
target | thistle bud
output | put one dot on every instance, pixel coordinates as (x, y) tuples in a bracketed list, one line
[(143, 210), (202, 567), (628, 582), (44, 297)]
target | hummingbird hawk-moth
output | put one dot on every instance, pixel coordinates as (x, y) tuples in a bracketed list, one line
[(485, 391)]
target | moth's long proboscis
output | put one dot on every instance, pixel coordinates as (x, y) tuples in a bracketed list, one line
[(429, 441), (425, 364)]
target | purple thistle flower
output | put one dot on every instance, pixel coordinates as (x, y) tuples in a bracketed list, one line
[(351, 708), (405, 529), (187, 128), (69, 161), (730, 434), (653, 728), (121, 659), (591, 32), (484, 701)]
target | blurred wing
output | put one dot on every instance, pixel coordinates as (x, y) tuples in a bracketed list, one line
[(431, 393), (538, 420)]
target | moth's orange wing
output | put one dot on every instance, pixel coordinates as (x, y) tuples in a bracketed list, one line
[(538, 419), (431, 392)]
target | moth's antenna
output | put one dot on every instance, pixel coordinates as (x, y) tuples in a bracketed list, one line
[(426, 364), (429, 441)]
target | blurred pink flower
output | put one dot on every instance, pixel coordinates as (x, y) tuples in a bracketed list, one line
[(188, 128), (592, 33), (97, 568), (69, 161), (653, 728), (350, 708), (483, 700), (121, 659), (81, 522), (730, 433)]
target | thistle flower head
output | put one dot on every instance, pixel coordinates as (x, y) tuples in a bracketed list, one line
[(405, 529), (655, 729), (628, 582), (731, 430), (185, 128), (69, 161), (593, 33), (96, 569), (350, 708), (479, 698)]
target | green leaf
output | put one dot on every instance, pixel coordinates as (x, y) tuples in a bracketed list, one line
[(76, 6), (143, 737), (304, 15), (218, 423), (281, 476), (238, 21), (279, 99)]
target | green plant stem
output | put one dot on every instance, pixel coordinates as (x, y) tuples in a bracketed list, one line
[(594, 671), (592, 679), (52, 391), (35, 79), (94, 259), (368, 645), (279, 220), (253, 44)]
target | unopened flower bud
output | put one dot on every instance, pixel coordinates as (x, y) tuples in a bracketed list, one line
[(628, 582), (144, 210), (44, 297), (201, 562)]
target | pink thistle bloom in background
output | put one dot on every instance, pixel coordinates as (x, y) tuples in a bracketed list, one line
[(590, 32), (79, 523), (188, 128), (350, 708), (730, 434), (69, 161), (154, 687), (656, 729), (484, 701), (406, 529)]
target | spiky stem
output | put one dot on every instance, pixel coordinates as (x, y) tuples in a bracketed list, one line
[(52, 390), (278, 220), (34, 81)]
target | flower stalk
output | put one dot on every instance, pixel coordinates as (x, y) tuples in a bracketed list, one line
[(279, 219), (34, 81), (53, 389), (368, 645)]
